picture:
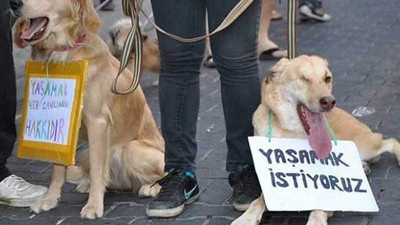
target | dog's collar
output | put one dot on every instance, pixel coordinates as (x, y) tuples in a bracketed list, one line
[(78, 42)]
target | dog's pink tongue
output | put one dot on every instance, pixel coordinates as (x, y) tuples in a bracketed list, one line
[(318, 138), (35, 27)]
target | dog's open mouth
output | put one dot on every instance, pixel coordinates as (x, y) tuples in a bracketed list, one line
[(315, 127), (36, 30)]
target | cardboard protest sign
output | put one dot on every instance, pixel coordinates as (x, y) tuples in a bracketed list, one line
[(292, 178), (52, 109)]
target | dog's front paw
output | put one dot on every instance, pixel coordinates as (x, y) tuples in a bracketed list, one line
[(243, 220), (91, 211), (318, 217), (43, 205), (149, 190)]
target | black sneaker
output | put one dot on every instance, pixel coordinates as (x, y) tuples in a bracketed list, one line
[(179, 188), (246, 187)]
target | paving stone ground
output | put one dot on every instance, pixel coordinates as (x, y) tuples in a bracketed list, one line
[(362, 44)]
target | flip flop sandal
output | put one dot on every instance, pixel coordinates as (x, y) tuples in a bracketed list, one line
[(276, 15), (269, 54), (209, 62)]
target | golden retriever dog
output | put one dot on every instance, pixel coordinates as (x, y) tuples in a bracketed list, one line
[(299, 93), (125, 148), (150, 51)]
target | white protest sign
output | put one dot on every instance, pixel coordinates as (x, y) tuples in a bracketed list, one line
[(50, 103), (292, 178)]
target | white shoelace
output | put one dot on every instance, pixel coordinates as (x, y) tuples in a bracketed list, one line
[(16, 182)]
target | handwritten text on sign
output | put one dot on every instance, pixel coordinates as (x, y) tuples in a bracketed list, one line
[(294, 179), (49, 110)]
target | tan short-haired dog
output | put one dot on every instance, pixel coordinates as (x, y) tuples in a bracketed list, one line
[(126, 150), (299, 93)]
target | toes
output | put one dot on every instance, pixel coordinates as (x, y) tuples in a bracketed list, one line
[(44, 205), (91, 212), (144, 191), (155, 190), (148, 190)]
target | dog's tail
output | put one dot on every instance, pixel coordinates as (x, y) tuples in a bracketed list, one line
[(395, 148), (390, 145)]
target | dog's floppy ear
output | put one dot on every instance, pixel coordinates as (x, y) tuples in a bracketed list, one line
[(89, 17), (277, 69)]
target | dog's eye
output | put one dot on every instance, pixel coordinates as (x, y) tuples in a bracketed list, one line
[(328, 80), (305, 79)]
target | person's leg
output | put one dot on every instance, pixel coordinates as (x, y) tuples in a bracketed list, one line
[(235, 54), (266, 47), (7, 91), (179, 96), (14, 191), (179, 91), (236, 57)]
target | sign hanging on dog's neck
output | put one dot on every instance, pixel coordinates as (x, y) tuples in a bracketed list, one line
[(293, 178), (52, 111)]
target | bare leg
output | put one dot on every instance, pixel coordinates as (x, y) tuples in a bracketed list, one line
[(54, 193), (264, 43)]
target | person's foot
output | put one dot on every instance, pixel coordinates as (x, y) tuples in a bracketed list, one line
[(246, 187), (15, 191), (108, 6), (310, 12), (179, 188), (268, 50), (276, 15), (274, 53)]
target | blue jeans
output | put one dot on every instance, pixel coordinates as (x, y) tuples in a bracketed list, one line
[(235, 54), (8, 102)]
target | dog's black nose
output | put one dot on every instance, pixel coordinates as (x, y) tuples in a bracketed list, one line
[(16, 4), (327, 103)]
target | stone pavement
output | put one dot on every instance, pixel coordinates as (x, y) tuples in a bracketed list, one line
[(362, 43)]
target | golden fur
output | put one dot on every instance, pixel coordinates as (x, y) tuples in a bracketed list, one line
[(126, 150), (302, 80)]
